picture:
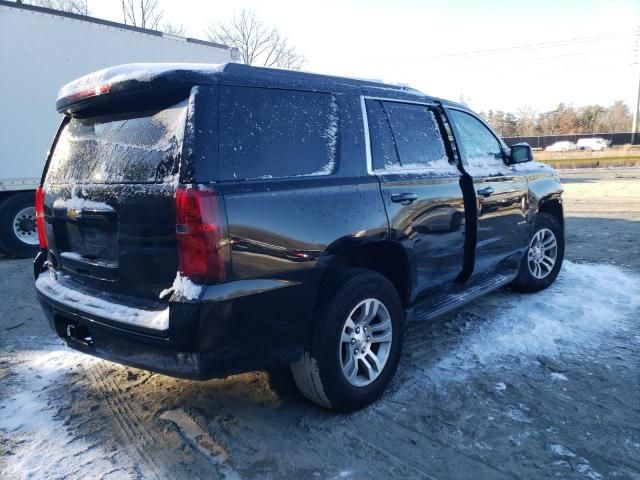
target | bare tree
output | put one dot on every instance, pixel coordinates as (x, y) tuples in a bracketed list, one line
[(80, 7), (527, 120), (257, 43), (177, 29), (142, 13)]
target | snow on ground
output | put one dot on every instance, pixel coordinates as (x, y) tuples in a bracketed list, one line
[(586, 305), (43, 446), (201, 441), (500, 337)]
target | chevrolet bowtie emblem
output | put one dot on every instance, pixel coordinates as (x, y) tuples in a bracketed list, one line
[(73, 213)]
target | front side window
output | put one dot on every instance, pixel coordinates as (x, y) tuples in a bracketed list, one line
[(478, 146), (270, 133)]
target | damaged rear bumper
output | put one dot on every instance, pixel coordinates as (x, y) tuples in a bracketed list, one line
[(225, 332)]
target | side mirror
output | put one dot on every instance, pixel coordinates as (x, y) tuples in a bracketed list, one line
[(520, 153)]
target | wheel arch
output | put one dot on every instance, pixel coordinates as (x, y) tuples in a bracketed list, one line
[(552, 206), (386, 257)]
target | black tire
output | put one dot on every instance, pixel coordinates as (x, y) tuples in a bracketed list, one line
[(318, 374), (9, 242), (526, 281)]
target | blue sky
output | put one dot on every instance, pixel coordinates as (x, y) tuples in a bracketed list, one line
[(497, 54)]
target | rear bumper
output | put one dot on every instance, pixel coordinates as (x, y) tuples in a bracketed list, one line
[(100, 337), (232, 328)]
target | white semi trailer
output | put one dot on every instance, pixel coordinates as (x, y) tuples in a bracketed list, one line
[(41, 50)]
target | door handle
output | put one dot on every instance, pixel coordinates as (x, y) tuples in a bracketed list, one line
[(404, 198), (485, 192)]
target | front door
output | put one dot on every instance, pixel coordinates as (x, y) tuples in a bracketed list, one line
[(501, 195), (420, 187)]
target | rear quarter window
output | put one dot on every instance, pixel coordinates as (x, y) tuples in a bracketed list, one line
[(270, 133)]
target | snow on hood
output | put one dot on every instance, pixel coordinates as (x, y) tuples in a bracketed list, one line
[(141, 72)]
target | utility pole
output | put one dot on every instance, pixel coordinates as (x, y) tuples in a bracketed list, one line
[(634, 127), (636, 111)]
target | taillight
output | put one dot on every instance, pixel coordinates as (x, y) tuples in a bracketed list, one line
[(42, 234), (89, 92), (199, 235)]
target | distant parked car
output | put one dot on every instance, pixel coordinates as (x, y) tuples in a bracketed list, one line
[(563, 146), (595, 144)]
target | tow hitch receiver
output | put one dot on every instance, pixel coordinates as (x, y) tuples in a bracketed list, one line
[(76, 335)]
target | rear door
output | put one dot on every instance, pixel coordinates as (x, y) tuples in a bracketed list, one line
[(501, 194), (109, 198), (420, 187)]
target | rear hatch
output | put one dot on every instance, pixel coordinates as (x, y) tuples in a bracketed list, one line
[(110, 195)]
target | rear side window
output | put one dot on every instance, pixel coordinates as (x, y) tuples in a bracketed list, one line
[(269, 133), (383, 148), (404, 136), (142, 147)]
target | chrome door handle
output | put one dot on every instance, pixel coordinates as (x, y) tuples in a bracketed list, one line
[(404, 198), (485, 192)]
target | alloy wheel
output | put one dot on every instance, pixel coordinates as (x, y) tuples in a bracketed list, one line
[(365, 342), (542, 253)]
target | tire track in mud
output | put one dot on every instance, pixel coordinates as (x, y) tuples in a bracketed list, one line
[(130, 426), (36, 432)]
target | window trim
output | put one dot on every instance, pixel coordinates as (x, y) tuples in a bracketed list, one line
[(367, 133), (486, 125)]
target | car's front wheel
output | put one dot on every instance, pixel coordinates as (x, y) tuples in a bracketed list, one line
[(542, 261), (356, 343)]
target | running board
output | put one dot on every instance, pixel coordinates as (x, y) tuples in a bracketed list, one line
[(436, 305)]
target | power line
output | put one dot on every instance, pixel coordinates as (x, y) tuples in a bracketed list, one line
[(558, 43), (538, 59)]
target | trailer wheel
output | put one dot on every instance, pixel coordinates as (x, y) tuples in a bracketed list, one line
[(18, 234)]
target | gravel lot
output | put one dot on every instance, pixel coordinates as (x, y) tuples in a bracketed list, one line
[(511, 386)]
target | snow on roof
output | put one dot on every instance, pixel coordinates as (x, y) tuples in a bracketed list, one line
[(141, 72)]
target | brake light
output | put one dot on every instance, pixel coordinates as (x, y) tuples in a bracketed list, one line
[(89, 92), (42, 234), (199, 235)]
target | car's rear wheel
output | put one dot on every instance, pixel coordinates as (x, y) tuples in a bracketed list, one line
[(356, 343), (542, 261), (18, 235)]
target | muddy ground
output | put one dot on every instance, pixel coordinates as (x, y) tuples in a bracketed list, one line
[(511, 386)]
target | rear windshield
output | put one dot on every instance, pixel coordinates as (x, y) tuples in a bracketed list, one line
[(142, 147)]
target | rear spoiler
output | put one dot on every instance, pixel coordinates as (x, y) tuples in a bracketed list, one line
[(118, 85)]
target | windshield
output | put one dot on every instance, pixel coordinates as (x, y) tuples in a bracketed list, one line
[(141, 147)]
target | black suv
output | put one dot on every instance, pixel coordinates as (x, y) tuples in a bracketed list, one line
[(201, 221)]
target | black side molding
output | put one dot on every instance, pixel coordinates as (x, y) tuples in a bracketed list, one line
[(471, 228)]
